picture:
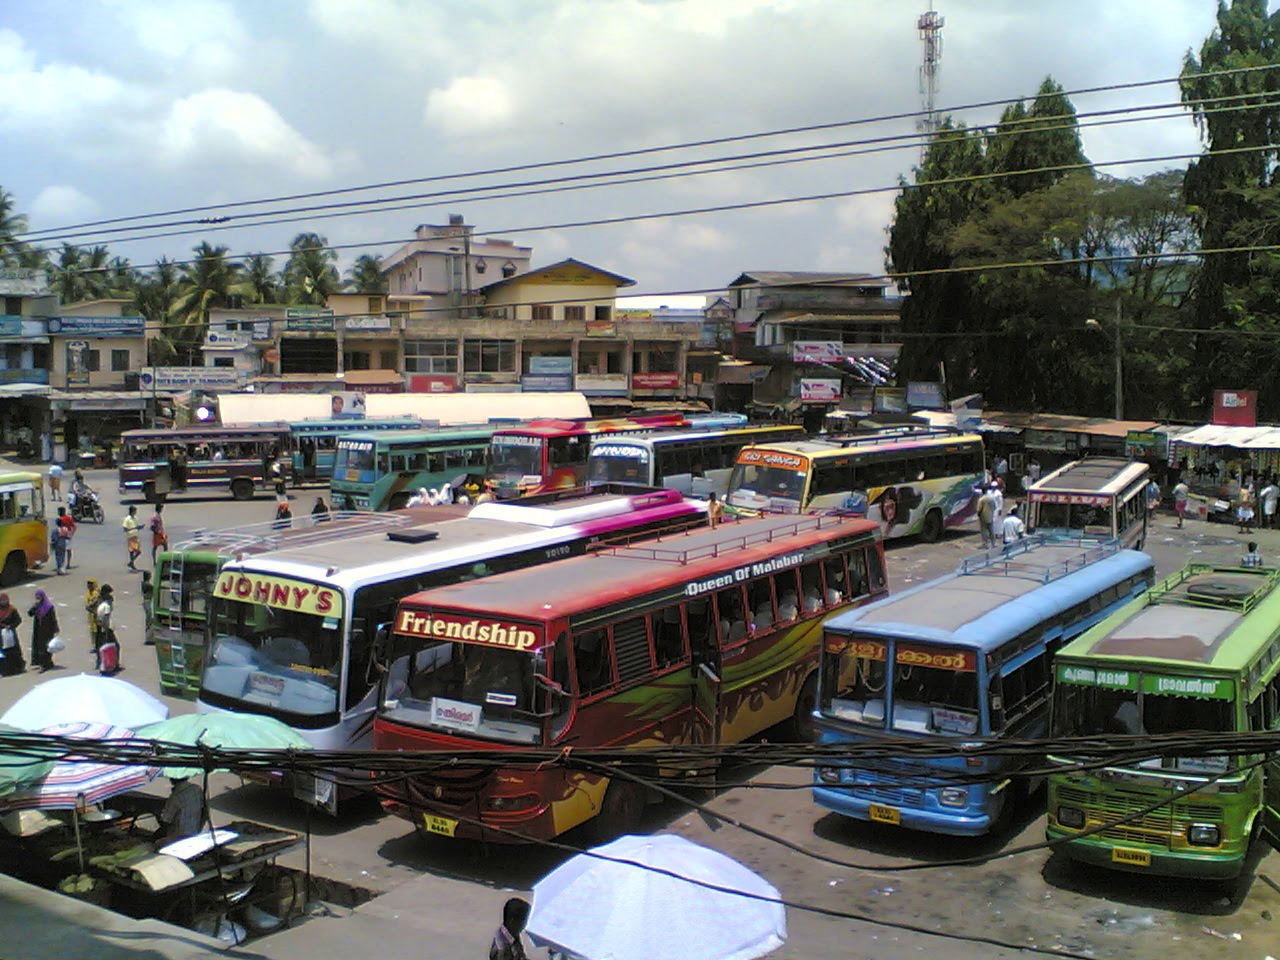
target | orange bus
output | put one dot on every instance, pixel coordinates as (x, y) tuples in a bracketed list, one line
[(710, 636)]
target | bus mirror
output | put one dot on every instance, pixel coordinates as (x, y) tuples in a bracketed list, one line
[(549, 684)]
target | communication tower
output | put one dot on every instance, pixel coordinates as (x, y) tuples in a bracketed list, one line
[(930, 27)]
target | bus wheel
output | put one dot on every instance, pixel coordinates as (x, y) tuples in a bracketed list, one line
[(932, 528), (801, 728), (149, 492), (242, 489), (15, 568), (620, 813)]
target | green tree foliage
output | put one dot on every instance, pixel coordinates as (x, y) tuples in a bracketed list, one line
[(82, 273), (262, 281), (1234, 199), (365, 275), (12, 224), (1044, 135), (210, 280), (311, 276), (154, 299)]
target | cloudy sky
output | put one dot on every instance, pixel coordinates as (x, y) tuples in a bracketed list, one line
[(116, 108)]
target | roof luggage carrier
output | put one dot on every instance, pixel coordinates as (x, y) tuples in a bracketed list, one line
[(1235, 588), (654, 549), (892, 435), (1013, 560), (303, 531)]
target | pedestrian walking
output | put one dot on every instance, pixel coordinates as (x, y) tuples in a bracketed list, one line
[(507, 944), (997, 500), (159, 539), (131, 525), (55, 481), (148, 590), (92, 597), (320, 512), (1012, 528), (715, 509), (284, 516), (1153, 497), (1268, 498), (1252, 558), (108, 644), (1244, 510), (13, 663), (68, 524), (277, 477), (1002, 466), (987, 517), (44, 627), (58, 541), (1181, 493)]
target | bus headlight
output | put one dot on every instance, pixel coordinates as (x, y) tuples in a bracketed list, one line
[(953, 796), (1204, 835), (828, 774), (1072, 817), (520, 801)]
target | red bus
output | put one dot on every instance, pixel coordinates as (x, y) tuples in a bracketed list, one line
[(547, 455), (709, 636)]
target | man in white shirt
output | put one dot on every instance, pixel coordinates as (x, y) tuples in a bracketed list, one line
[(997, 497), (1012, 528), (1269, 497)]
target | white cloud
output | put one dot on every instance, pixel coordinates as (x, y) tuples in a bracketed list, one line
[(205, 38), (656, 247), (470, 105), (229, 125), (60, 204)]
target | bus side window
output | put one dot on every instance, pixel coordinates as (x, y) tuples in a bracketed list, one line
[(857, 560), (732, 616), (561, 704), (702, 632), (785, 584), (668, 638), (875, 569), (837, 581), (591, 661), (1272, 708), (811, 587), (760, 603), (631, 649)]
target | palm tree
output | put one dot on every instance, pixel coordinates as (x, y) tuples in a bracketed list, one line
[(154, 299), (310, 275), (12, 224), (211, 280), (80, 273), (262, 283), (365, 275), (122, 279)]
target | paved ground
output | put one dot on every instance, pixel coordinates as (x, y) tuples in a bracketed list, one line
[(443, 900)]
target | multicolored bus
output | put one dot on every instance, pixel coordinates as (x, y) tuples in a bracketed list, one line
[(1200, 652), (236, 459), (383, 470), (709, 636), (972, 656), (313, 443), (919, 482), (1097, 497), (291, 631), (24, 533), (695, 462)]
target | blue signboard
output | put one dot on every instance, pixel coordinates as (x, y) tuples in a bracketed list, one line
[(532, 383), (24, 376), (10, 325), (549, 365), (96, 326)]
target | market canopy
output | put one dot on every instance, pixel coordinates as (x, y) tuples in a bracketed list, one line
[(1241, 438)]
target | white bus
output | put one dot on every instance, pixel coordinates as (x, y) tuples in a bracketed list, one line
[(1099, 497), (291, 631), (696, 462)]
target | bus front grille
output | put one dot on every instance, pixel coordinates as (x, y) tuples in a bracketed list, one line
[(458, 789), (1156, 827), (901, 784)]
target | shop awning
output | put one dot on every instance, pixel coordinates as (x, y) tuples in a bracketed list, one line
[(1067, 423), (1240, 438)]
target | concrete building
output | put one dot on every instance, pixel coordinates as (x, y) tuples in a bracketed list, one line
[(449, 263)]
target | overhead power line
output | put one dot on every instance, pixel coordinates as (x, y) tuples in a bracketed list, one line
[(645, 151)]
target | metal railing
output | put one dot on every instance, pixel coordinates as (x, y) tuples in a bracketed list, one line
[(307, 530), (1015, 559), (654, 549)]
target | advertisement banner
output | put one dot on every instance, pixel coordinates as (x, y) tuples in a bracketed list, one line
[(468, 629), (817, 351), (924, 395), (601, 384), (97, 326), (546, 383), (819, 391), (601, 328), (373, 321), (190, 378), (347, 404), (23, 282), (890, 400), (77, 363), (655, 381), (1235, 408), (551, 365), (10, 325), (306, 319), (432, 382)]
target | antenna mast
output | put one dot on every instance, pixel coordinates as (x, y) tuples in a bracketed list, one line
[(930, 27)]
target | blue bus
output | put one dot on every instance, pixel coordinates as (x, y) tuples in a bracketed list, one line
[(972, 657), (313, 442)]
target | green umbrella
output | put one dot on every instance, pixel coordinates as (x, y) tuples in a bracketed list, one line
[(20, 766), (230, 731)]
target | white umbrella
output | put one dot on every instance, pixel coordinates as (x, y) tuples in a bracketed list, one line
[(85, 699), (603, 909)]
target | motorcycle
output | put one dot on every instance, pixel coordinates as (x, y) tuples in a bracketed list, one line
[(86, 507)]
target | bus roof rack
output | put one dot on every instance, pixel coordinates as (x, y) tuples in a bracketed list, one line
[(1012, 560), (303, 531), (653, 549), (893, 435), (1235, 588)]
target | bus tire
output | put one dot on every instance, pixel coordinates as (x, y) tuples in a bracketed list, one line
[(242, 489), (931, 530), (15, 568), (620, 813), (149, 492), (801, 728)]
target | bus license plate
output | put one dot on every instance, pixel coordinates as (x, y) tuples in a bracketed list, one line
[(1130, 858), (885, 814), (441, 825)]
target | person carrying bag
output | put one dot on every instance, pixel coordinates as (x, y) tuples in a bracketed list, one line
[(108, 645), (14, 663)]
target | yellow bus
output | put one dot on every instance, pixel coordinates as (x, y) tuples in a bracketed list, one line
[(24, 533)]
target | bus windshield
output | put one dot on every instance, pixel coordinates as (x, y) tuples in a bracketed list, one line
[(757, 480), (353, 457), (1073, 516), (618, 463), (286, 660), (466, 688), (515, 456)]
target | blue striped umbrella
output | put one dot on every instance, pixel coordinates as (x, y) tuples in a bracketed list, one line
[(76, 782)]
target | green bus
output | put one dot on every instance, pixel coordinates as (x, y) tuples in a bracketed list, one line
[(1198, 652), (381, 471)]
